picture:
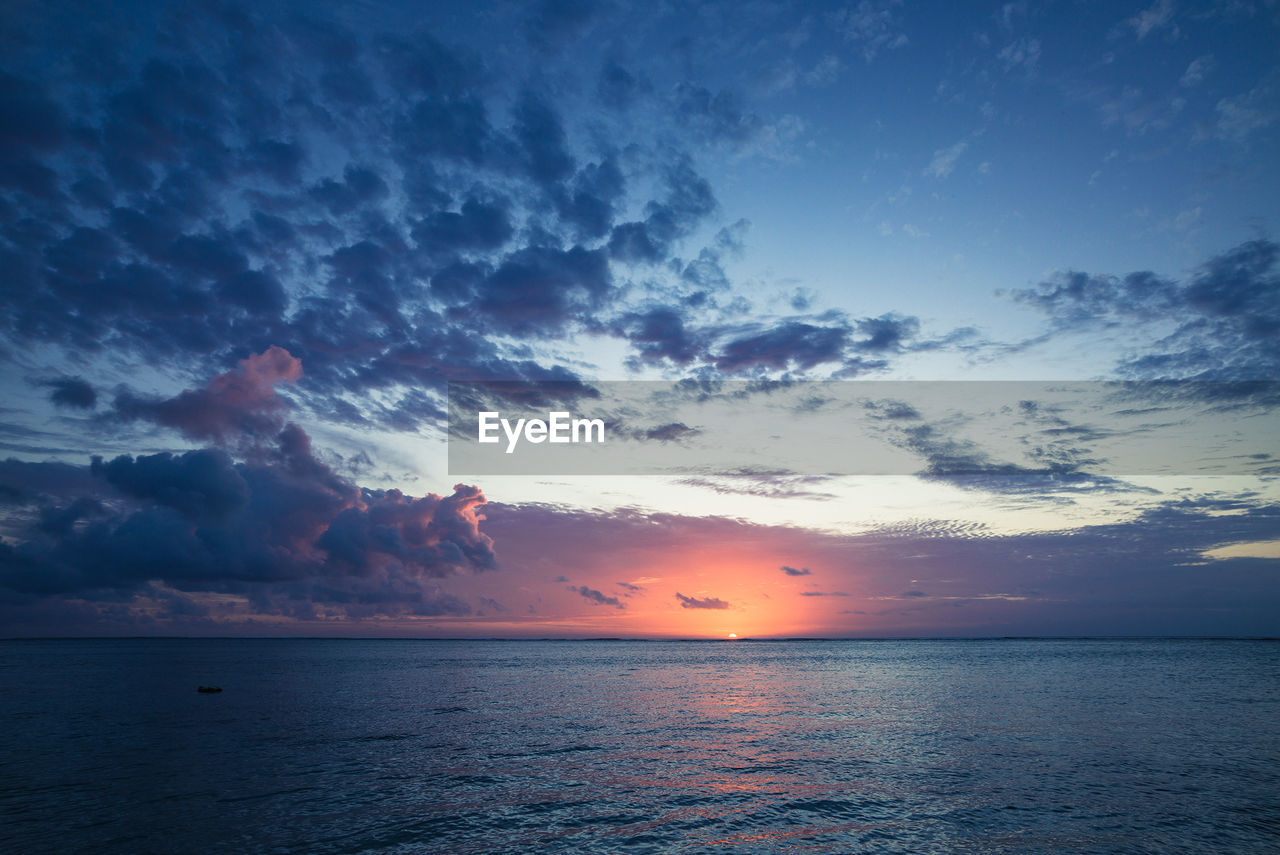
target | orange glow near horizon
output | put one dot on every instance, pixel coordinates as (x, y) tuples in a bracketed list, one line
[(671, 585), (762, 600)]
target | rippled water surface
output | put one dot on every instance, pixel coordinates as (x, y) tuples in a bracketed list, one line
[(1154, 746)]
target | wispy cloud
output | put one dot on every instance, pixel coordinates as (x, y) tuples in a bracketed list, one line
[(1159, 15), (944, 160)]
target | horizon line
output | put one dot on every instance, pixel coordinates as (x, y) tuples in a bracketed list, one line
[(647, 639)]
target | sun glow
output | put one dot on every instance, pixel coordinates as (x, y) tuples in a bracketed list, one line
[(733, 635)]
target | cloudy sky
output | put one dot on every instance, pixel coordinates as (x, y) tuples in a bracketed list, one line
[(244, 248)]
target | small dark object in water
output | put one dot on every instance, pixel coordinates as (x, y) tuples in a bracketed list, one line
[(208, 690)]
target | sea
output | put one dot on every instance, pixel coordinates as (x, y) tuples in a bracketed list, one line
[(409, 746)]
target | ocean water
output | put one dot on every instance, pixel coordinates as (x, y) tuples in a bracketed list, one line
[(320, 746)]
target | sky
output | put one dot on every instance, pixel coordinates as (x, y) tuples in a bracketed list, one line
[(245, 249)]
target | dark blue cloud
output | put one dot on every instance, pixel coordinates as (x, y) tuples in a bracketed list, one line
[(541, 290), (1227, 314), (282, 527), (72, 392), (618, 88), (475, 226), (279, 160), (222, 189), (222, 170), (793, 344), (29, 119), (886, 334), (589, 203), (688, 200), (360, 186), (542, 138), (659, 334), (24, 482), (201, 485), (284, 530)]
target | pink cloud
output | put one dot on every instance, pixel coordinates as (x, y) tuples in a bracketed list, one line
[(236, 406)]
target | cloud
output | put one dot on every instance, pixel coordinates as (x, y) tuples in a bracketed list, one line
[(944, 160), (797, 343), (759, 481), (72, 392), (25, 482), (1226, 315), (1144, 572), (1197, 70), (1023, 54), (30, 118), (687, 201), (673, 432), (1159, 15), (235, 404), (825, 71), (716, 115), (478, 225), (659, 334), (889, 333), (203, 485), (597, 597), (492, 605), (1241, 116), (1062, 456), (791, 344), (1139, 111), (434, 534), (618, 88), (871, 26), (281, 530), (892, 410), (199, 213), (541, 290), (705, 603), (824, 594), (541, 134), (793, 571), (280, 533)]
